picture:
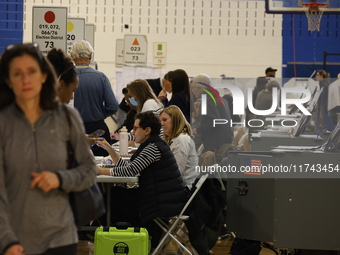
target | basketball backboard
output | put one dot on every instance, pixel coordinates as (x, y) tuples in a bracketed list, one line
[(296, 6)]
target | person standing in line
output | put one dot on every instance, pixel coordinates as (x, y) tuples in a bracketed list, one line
[(94, 97), (34, 179), (324, 115), (66, 74)]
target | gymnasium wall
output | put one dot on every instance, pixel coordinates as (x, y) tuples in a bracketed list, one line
[(11, 22), (235, 38), (302, 50)]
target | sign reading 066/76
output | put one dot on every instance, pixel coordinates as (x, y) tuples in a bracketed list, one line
[(135, 50), (49, 28)]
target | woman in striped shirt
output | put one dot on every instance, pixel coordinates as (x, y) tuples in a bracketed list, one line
[(161, 192)]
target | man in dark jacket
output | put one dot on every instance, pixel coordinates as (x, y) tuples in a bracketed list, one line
[(215, 137)]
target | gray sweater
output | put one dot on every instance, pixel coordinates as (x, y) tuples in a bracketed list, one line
[(35, 219)]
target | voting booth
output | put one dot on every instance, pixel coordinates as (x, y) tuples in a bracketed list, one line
[(298, 210), (288, 196)]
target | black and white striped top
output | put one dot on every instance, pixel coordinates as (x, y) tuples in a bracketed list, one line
[(147, 156)]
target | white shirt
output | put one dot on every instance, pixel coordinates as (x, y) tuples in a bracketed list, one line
[(183, 148), (151, 105)]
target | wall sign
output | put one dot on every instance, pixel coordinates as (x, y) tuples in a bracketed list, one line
[(135, 50), (75, 31), (49, 28)]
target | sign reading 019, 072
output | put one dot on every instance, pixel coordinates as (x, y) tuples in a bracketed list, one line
[(49, 28)]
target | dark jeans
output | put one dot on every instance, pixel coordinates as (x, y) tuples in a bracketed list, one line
[(69, 250), (124, 206), (93, 126)]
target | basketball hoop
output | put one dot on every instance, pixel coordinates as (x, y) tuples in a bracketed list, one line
[(314, 15)]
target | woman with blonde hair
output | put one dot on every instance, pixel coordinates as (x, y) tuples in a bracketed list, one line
[(177, 133), (142, 96)]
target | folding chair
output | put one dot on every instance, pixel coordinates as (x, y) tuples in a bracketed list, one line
[(169, 229)]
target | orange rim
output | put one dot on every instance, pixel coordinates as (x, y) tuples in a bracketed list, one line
[(314, 4)]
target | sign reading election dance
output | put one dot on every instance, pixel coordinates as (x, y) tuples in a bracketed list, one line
[(75, 31), (49, 28), (135, 50)]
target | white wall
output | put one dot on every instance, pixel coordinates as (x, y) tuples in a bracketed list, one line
[(235, 38)]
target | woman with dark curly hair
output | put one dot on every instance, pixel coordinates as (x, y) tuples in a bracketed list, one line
[(67, 76)]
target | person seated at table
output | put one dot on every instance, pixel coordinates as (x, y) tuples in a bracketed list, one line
[(142, 97), (161, 192), (177, 133)]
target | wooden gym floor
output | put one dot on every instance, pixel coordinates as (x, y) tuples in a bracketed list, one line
[(222, 247)]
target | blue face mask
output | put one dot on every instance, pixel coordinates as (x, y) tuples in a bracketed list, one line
[(133, 101)]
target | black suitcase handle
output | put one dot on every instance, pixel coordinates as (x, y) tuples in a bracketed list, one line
[(122, 225)]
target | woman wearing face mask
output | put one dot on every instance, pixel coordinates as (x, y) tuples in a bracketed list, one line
[(142, 96), (141, 99)]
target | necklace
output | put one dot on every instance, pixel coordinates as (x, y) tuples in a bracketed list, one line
[(82, 64)]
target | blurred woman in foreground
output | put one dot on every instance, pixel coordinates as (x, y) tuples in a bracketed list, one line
[(34, 179)]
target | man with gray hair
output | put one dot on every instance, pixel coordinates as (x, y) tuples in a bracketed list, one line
[(94, 97), (216, 129)]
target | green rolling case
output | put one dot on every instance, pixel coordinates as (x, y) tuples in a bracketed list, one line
[(121, 241)]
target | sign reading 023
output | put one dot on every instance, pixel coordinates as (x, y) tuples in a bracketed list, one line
[(135, 50)]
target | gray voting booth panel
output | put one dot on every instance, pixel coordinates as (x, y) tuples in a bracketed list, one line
[(297, 213), (265, 143)]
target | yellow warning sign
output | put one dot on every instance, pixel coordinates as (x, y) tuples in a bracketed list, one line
[(135, 42)]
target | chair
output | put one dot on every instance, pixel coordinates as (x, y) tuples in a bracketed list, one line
[(169, 229)]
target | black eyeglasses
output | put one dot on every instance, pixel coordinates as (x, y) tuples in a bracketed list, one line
[(73, 65)]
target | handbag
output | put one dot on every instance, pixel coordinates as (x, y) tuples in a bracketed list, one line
[(87, 205)]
